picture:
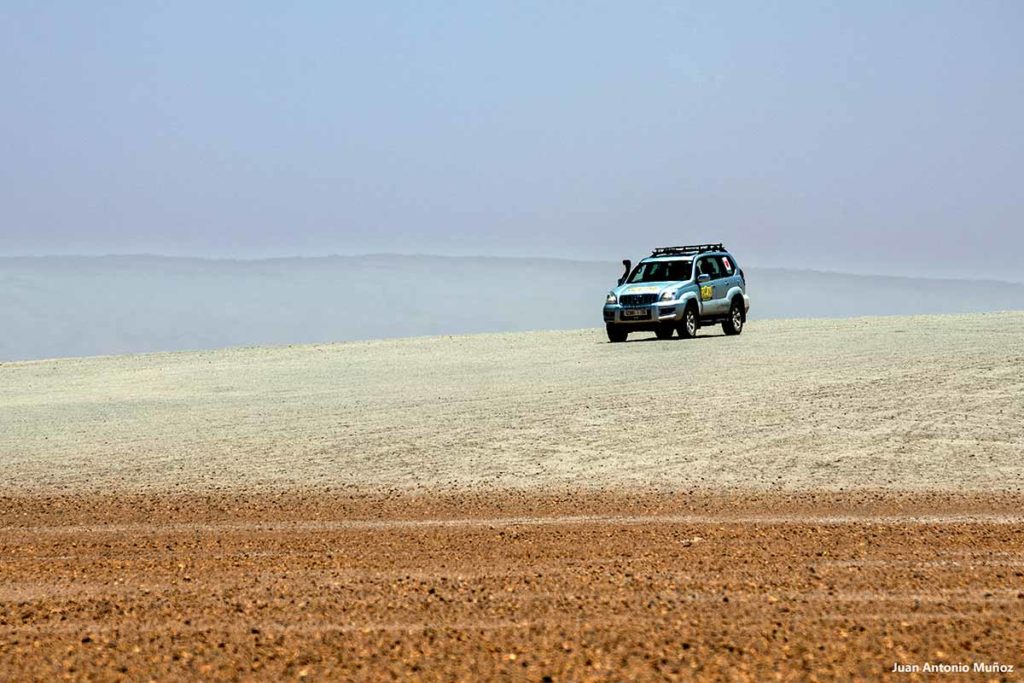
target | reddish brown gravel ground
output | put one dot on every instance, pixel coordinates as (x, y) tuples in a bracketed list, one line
[(565, 587)]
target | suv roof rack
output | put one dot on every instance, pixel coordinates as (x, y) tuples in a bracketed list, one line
[(687, 250)]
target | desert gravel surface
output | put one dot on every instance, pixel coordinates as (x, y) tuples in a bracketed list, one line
[(812, 500), (575, 586), (902, 403)]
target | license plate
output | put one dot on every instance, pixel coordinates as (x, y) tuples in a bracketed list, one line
[(635, 313)]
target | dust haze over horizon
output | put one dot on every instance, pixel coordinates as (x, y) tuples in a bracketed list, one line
[(859, 137)]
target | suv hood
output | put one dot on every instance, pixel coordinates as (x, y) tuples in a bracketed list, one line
[(648, 287)]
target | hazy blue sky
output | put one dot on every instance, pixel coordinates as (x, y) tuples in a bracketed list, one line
[(802, 133)]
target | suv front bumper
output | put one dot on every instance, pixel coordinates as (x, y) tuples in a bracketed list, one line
[(653, 314)]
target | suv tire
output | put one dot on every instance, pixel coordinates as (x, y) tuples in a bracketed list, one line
[(734, 325), (664, 332), (615, 333), (689, 324)]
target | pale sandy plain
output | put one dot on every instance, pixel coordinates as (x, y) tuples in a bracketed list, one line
[(812, 500), (901, 402)]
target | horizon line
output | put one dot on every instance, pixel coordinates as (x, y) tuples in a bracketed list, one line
[(461, 257)]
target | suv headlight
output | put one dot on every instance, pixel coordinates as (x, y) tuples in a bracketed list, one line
[(611, 298), (670, 295)]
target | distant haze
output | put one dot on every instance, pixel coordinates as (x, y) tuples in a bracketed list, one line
[(866, 137), (79, 306)]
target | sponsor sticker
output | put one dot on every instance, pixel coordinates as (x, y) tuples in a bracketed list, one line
[(706, 292)]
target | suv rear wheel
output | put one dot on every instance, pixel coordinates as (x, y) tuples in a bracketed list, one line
[(615, 333), (664, 332), (688, 326), (734, 325)]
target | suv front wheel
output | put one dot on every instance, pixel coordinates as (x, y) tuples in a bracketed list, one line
[(615, 333), (688, 325)]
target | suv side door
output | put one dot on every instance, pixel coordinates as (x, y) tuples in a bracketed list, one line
[(731, 278), (712, 292)]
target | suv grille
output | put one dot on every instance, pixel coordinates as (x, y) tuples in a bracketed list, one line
[(637, 299)]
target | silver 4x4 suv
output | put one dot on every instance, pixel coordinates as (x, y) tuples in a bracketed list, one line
[(678, 289)]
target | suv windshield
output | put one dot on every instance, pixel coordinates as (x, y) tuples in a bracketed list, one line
[(661, 271)]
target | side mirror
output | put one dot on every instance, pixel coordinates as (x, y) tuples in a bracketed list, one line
[(628, 265), (703, 278)]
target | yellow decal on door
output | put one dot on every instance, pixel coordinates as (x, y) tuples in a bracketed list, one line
[(706, 292)]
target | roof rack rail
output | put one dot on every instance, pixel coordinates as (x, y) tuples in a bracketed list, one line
[(687, 250)]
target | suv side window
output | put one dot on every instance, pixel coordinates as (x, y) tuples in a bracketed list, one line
[(710, 266), (727, 268)]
